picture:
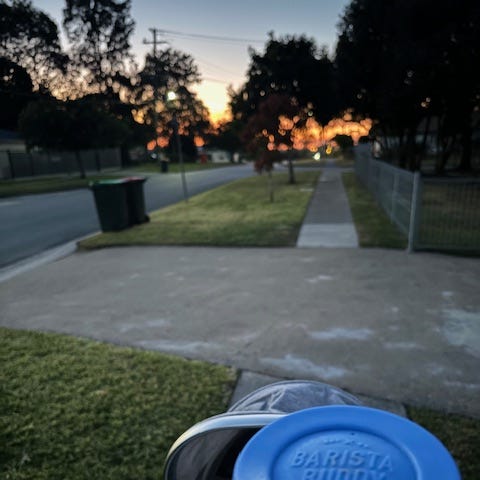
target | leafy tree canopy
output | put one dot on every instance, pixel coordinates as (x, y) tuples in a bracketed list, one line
[(15, 92), (73, 125), (293, 66), (270, 129), (29, 38), (343, 141), (227, 136), (406, 61), (171, 71), (99, 32)]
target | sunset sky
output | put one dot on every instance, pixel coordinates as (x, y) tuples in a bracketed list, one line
[(223, 62)]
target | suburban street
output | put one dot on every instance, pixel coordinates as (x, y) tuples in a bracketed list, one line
[(34, 223)]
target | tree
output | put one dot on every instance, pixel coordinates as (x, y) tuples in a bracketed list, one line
[(227, 137), (99, 32), (92, 126), (15, 92), (457, 84), (189, 149), (29, 38), (30, 58), (290, 82), (73, 125), (46, 124), (171, 71), (271, 129), (135, 133), (343, 141), (291, 66), (404, 63)]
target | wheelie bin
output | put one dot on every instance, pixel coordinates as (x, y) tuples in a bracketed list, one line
[(136, 200), (111, 203)]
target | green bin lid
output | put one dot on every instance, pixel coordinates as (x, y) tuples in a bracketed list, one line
[(113, 181), (135, 179)]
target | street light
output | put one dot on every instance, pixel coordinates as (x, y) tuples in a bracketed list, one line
[(171, 97)]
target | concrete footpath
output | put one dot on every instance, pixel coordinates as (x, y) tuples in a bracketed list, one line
[(390, 327), (381, 323), (328, 222)]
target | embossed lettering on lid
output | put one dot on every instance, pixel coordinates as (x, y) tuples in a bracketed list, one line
[(344, 443)]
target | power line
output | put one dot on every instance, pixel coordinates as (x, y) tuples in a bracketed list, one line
[(217, 67), (163, 32), (216, 80), (203, 36)]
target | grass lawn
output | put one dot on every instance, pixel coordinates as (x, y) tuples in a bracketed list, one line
[(76, 409), (461, 436), (373, 226), (9, 188), (337, 159), (450, 218), (175, 167), (237, 214)]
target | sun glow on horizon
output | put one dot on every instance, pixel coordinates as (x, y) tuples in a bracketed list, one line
[(313, 135), (215, 98)]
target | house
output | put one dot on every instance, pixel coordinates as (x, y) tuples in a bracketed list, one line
[(218, 156), (11, 141)]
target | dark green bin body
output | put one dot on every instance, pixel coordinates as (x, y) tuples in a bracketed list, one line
[(120, 203), (136, 200), (111, 202)]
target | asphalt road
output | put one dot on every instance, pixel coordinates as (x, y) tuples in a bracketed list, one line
[(32, 224)]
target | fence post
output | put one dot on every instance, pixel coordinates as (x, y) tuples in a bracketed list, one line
[(32, 167), (97, 161), (394, 195), (369, 175), (10, 164), (415, 212), (80, 164)]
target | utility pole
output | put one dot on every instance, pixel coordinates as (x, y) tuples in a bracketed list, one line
[(154, 43)]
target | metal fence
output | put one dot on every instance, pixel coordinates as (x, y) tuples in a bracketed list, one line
[(21, 165), (435, 214), (392, 188), (449, 215)]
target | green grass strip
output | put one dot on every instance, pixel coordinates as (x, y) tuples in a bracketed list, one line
[(461, 436), (237, 214), (176, 167), (372, 224), (35, 185), (77, 409), (10, 188)]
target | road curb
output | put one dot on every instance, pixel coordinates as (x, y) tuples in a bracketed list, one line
[(40, 259)]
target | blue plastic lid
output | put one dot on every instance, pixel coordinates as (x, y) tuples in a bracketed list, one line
[(344, 443)]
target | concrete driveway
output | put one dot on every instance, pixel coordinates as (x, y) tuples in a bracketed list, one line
[(376, 322)]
